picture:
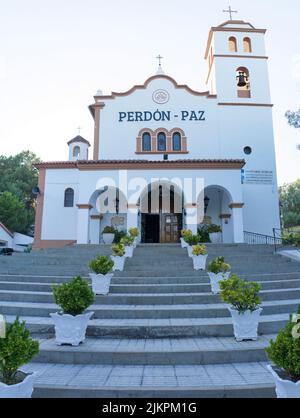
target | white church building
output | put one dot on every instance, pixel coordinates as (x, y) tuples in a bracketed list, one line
[(166, 157)]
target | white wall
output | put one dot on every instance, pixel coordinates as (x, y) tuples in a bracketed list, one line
[(4, 236)]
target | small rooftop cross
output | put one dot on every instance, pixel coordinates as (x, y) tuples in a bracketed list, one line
[(230, 11), (159, 59), (79, 129)]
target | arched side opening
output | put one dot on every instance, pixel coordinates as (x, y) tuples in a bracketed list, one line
[(161, 213), (232, 44), (247, 45), (243, 82)]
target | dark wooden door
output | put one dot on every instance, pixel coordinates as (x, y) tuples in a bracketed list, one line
[(170, 227)]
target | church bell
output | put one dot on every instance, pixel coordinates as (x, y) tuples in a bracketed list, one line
[(242, 79)]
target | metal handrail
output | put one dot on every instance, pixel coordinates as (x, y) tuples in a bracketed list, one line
[(254, 238)]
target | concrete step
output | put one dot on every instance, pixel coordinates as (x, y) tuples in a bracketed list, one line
[(167, 351), (158, 328), (235, 380), (147, 311)]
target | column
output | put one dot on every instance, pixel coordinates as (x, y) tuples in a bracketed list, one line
[(238, 222), (191, 218), (83, 224), (132, 217)]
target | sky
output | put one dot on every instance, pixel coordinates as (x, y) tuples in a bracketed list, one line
[(55, 55)]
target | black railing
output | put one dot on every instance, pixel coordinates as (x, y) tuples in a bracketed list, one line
[(253, 238)]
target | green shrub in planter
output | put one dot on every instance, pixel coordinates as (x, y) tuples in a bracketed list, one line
[(109, 230), (118, 250), (240, 294), (192, 239), (199, 250), (118, 236), (134, 232), (186, 232), (204, 234), (101, 265), (127, 241), (214, 229), (218, 265), (284, 352), (74, 297), (16, 349)]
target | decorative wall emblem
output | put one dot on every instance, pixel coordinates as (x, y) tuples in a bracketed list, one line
[(161, 96)]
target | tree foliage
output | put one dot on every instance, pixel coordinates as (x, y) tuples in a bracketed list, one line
[(290, 201), (18, 177), (293, 120)]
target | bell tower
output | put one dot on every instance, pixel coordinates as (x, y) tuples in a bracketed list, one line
[(237, 63)]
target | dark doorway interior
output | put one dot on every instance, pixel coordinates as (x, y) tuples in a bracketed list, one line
[(151, 226)]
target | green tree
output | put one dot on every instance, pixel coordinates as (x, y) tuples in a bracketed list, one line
[(290, 201), (18, 176), (13, 213)]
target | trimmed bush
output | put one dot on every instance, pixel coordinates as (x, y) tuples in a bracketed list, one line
[(74, 297), (127, 241), (284, 352), (218, 265), (240, 294), (101, 265), (118, 236), (199, 250), (109, 230), (118, 250), (213, 229), (16, 350), (134, 232), (192, 239)]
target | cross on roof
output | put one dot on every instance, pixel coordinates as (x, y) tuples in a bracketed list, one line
[(79, 129), (230, 11), (159, 59)]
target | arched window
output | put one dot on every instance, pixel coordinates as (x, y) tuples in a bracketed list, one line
[(247, 45), (176, 140), (69, 198), (161, 142), (243, 83), (232, 44), (146, 142), (76, 151)]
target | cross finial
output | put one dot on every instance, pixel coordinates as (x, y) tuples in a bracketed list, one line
[(230, 11), (159, 59), (79, 129)]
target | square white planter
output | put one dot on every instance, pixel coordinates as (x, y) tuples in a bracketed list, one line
[(129, 251), (199, 262), (70, 329), (101, 283), (108, 239), (215, 237), (183, 243), (285, 388), (119, 263), (246, 324), (215, 279), (21, 390), (190, 250)]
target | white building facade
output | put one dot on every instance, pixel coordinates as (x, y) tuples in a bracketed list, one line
[(166, 157)]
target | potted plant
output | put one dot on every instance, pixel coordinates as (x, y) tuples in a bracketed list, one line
[(218, 270), (199, 257), (284, 352), (214, 233), (17, 348), (245, 304), (128, 243), (184, 234), (74, 298), (118, 256), (191, 241), (108, 235), (102, 274), (134, 232)]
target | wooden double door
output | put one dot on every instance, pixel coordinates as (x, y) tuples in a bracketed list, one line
[(161, 228)]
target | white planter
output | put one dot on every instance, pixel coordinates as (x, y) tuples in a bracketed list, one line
[(135, 242), (215, 237), (215, 279), (246, 324), (70, 329), (285, 388), (101, 283), (108, 239), (199, 262), (183, 243), (129, 251), (119, 263), (190, 250), (21, 390)]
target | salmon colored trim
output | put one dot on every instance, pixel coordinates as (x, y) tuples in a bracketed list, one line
[(190, 205), (97, 217), (236, 205), (84, 206), (145, 85), (44, 244), (163, 152), (132, 206), (246, 104), (39, 209)]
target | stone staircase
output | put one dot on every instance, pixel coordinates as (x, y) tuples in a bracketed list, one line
[(160, 332)]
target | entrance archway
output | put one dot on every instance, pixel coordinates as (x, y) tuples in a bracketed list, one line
[(161, 208)]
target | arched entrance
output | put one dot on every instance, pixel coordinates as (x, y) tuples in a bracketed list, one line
[(161, 207)]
